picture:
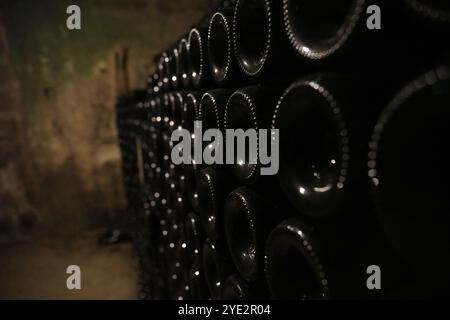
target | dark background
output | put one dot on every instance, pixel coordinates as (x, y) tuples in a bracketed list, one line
[(60, 178)]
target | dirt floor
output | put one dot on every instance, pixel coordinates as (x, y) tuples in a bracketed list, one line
[(38, 270)]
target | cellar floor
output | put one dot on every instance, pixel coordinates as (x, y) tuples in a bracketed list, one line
[(37, 270)]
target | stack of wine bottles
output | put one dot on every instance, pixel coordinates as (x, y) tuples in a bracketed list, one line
[(360, 205)]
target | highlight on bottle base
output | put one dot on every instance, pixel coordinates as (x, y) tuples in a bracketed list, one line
[(224, 154)]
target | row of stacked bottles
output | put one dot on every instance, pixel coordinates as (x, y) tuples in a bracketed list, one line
[(360, 93)]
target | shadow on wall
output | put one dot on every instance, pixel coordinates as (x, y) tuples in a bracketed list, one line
[(59, 161)]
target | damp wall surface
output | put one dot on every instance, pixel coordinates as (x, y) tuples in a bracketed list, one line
[(59, 160)]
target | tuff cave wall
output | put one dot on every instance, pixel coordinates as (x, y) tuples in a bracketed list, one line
[(59, 160)]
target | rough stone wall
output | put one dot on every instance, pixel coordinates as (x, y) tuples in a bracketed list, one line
[(59, 161), (17, 215)]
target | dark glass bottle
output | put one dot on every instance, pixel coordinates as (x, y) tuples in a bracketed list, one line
[(220, 49), (165, 113), (323, 145), (249, 218), (252, 35), (296, 265), (323, 132), (156, 107), (183, 53), (190, 171), (217, 268), (318, 29), (166, 149), (260, 43), (190, 177), (150, 84), (211, 110), (173, 68), (409, 176), (236, 288), (176, 282), (337, 34), (250, 108), (163, 71), (197, 282), (176, 247), (321, 260), (173, 270), (176, 109), (194, 236), (190, 110), (198, 58), (214, 184), (183, 254)]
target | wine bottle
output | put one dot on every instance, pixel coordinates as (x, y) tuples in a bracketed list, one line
[(194, 236), (214, 184), (407, 170), (211, 110), (259, 42), (165, 113), (170, 68), (190, 171), (173, 270), (183, 53), (175, 63), (318, 29), (321, 260), (250, 108), (296, 266), (163, 71), (176, 248), (249, 218), (322, 173), (151, 81), (252, 30), (156, 106), (338, 34), (190, 176), (236, 288), (176, 109), (179, 207), (220, 48), (190, 110), (217, 268), (166, 149), (323, 141), (198, 58), (176, 283), (197, 282), (183, 253)]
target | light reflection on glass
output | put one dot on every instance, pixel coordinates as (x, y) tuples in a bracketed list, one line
[(323, 189)]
